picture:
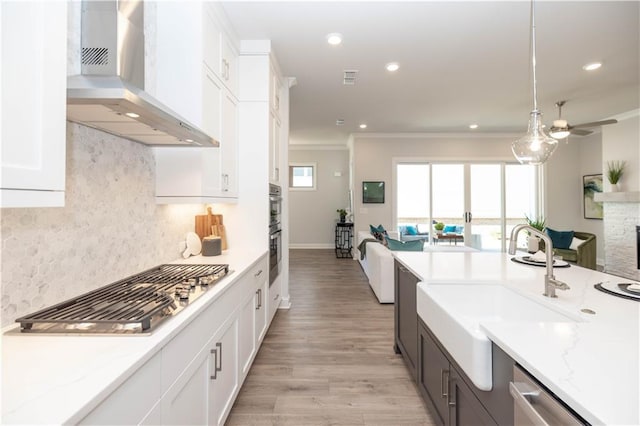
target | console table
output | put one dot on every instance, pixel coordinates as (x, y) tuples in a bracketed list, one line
[(344, 238)]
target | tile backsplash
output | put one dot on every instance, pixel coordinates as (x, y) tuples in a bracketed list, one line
[(110, 226)]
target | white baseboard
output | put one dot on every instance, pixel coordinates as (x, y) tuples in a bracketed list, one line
[(311, 246)]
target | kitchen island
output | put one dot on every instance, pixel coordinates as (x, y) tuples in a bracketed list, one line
[(81, 378), (590, 361)]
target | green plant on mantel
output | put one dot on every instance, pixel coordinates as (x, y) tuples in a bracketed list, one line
[(537, 223), (342, 212), (615, 169)]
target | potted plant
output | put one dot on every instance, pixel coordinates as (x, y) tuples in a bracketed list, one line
[(615, 169), (533, 242), (439, 226), (343, 214)]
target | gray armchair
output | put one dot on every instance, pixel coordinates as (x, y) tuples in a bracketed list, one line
[(584, 256)]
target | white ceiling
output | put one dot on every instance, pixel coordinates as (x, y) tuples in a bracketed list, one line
[(460, 63)]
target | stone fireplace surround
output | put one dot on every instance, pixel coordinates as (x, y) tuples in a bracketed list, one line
[(621, 218)]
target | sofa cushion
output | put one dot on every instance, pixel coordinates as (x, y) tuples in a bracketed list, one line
[(560, 239), (449, 229), (396, 245), (575, 242), (411, 230)]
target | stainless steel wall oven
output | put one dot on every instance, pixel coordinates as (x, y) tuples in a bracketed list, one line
[(275, 231)]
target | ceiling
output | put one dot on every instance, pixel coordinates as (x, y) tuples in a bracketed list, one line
[(460, 63)]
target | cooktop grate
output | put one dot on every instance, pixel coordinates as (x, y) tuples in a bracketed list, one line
[(129, 305)]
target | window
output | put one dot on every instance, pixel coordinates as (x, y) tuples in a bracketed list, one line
[(302, 176)]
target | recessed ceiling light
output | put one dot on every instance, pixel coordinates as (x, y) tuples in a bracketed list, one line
[(363, 126), (473, 126), (392, 66), (334, 39), (592, 66), (132, 114)]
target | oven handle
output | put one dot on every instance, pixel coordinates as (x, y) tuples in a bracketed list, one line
[(520, 391), (274, 235)]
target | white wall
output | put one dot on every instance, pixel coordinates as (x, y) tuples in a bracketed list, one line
[(312, 214), (621, 141), (564, 205)]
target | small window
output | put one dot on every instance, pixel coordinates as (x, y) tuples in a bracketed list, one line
[(302, 176)]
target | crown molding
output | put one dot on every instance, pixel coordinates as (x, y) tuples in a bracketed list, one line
[(435, 135)]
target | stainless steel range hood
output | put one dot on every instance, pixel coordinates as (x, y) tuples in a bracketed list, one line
[(109, 94)]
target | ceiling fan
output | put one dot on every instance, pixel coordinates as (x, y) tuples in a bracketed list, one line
[(561, 128)]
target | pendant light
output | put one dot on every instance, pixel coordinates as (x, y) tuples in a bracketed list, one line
[(536, 146)]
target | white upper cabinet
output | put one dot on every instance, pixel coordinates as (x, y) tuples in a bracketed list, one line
[(220, 52), (33, 92), (177, 58), (203, 87)]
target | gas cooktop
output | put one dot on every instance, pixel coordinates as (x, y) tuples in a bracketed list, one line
[(134, 305)]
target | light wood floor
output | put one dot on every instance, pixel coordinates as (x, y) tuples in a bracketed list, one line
[(329, 360)]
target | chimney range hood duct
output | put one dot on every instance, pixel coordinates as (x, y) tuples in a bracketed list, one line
[(109, 94)]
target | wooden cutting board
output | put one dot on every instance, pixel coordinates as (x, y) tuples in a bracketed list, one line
[(207, 223)]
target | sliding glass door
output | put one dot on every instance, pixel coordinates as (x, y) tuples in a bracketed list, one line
[(478, 203)]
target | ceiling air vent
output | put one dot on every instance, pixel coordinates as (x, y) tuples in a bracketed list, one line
[(339, 122), (95, 56), (349, 77)]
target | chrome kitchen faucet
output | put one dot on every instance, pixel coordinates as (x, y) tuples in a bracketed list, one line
[(550, 282)]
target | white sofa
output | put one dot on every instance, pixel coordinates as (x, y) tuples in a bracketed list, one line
[(378, 264)]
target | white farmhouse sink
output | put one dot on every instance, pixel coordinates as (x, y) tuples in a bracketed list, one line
[(454, 313)]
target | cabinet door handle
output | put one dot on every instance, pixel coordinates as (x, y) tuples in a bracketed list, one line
[(257, 274), (277, 173), (217, 358), (444, 383), (276, 296), (259, 301), (225, 182), (451, 400)]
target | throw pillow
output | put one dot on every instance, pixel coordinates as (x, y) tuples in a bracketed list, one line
[(412, 230), (575, 242), (560, 239), (396, 245), (449, 229), (378, 232)]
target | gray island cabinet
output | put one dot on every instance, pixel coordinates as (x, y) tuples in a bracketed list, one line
[(451, 396)]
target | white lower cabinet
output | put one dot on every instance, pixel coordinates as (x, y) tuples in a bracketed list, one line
[(186, 402), (247, 341), (204, 391), (275, 296), (143, 387), (224, 377)]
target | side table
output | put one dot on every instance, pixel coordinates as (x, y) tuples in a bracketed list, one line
[(344, 238)]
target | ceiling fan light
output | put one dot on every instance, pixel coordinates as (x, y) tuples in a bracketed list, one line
[(559, 133), (535, 147), (560, 123)]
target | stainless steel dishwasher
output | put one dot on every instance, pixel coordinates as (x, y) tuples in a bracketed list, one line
[(533, 405)]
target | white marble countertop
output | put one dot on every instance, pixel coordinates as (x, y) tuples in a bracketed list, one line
[(56, 379), (593, 366)]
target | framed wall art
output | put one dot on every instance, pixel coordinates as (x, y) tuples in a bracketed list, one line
[(592, 184), (373, 192)]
